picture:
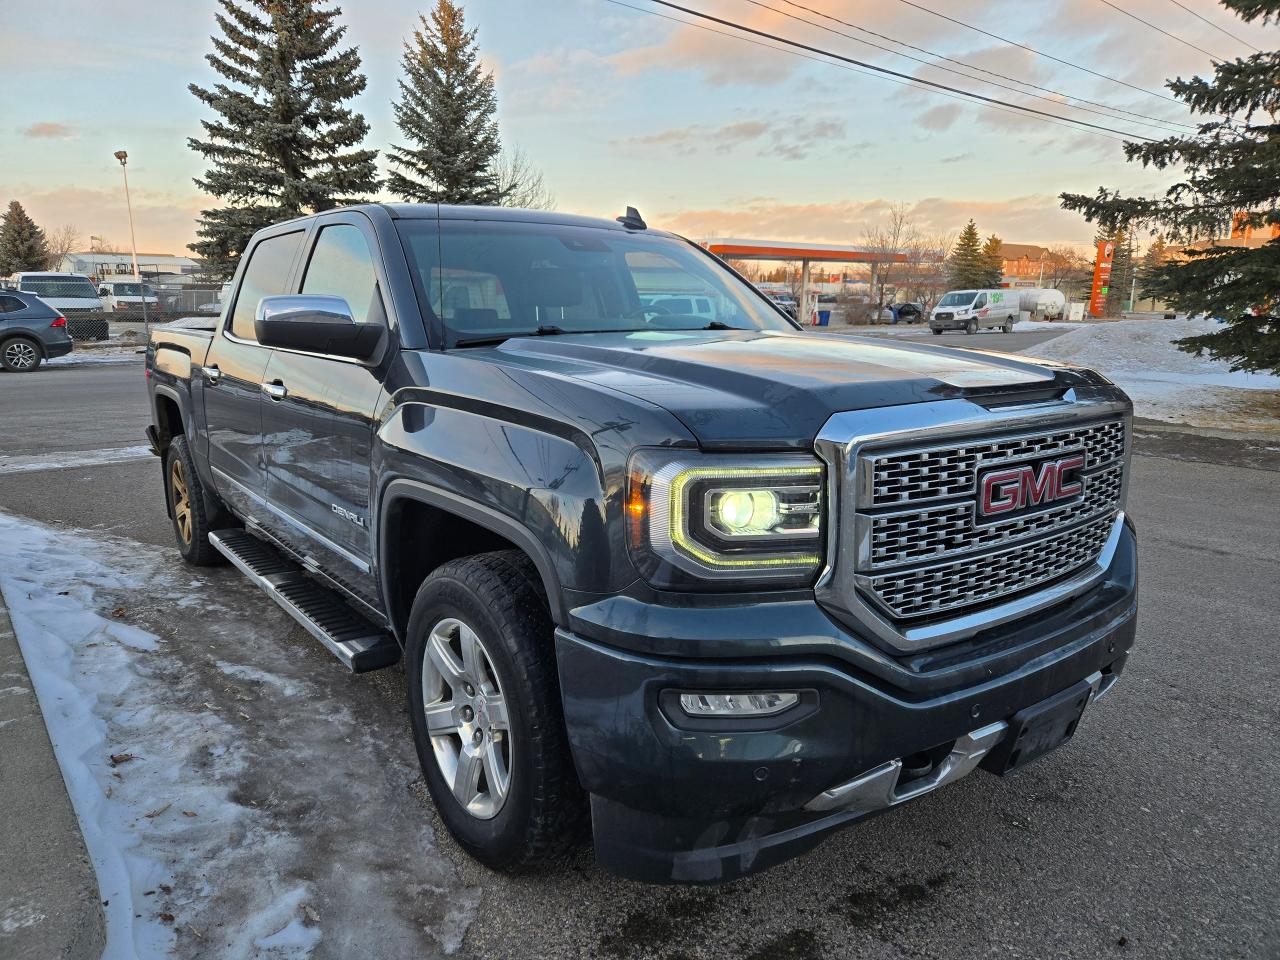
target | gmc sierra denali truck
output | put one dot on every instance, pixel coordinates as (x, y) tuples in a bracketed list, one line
[(710, 584)]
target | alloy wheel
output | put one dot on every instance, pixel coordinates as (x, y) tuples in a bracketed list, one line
[(181, 499), (466, 715), (20, 355)]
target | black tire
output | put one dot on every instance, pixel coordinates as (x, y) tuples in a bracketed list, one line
[(499, 597), (971, 327), (936, 331), (191, 529), (20, 355)]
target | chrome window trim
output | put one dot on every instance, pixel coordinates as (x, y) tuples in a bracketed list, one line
[(846, 436)]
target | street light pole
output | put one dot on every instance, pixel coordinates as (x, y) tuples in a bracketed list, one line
[(123, 157)]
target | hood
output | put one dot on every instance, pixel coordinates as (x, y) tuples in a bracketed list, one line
[(750, 388)]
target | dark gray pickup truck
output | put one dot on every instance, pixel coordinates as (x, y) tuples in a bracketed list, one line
[(705, 582)]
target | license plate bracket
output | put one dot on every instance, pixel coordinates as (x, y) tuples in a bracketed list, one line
[(1037, 729)]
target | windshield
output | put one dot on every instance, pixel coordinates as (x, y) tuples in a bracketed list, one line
[(959, 298), (59, 287), (487, 280), (130, 290)]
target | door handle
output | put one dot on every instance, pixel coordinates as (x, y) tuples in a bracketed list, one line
[(212, 374), (275, 390)]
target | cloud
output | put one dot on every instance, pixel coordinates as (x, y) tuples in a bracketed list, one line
[(49, 130), (1029, 219), (784, 137), (165, 222), (941, 117)]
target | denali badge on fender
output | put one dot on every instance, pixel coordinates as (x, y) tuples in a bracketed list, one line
[(1014, 489)]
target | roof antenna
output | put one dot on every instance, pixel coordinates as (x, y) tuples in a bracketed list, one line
[(632, 220)]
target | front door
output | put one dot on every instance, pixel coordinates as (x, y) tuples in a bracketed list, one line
[(319, 419), (231, 379)]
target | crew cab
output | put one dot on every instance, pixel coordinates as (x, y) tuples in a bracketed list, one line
[(712, 587)]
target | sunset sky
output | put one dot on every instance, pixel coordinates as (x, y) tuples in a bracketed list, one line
[(705, 134)]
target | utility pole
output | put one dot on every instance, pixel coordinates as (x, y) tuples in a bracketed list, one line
[(123, 157)]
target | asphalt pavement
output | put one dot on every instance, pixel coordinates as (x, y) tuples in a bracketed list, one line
[(1154, 833)]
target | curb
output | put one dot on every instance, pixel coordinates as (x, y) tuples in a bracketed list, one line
[(50, 908)]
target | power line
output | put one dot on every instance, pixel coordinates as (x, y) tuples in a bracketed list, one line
[(1067, 123), (1157, 122), (894, 73), (1215, 26), (1041, 53), (1172, 36)]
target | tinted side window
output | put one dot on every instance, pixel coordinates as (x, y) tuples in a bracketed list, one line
[(11, 304), (342, 266), (267, 275)]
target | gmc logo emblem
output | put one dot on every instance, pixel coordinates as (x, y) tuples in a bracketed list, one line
[(1019, 488)]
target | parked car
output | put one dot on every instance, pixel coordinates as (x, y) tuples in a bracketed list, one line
[(128, 296), (974, 310), (908, 313), (71, 294), (215, 306), (31, 332), (715, 587), (689, 306)]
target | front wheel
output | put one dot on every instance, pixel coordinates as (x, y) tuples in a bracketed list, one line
[(971, 327), (936, 331), (20, 355), (484, 705)]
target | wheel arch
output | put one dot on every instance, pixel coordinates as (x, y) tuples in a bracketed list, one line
[(408, 507), (21, 334)]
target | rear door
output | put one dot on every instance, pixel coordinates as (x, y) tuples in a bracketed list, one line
[(320, 418), (231, 379)]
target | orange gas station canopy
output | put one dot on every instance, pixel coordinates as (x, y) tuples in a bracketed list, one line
[(738, 249)]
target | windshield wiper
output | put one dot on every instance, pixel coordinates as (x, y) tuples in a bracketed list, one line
[(542, 330), (721, 325)]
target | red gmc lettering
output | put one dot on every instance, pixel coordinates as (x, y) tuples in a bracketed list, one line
[(1005, 491)]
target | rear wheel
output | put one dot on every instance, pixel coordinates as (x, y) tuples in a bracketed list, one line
[(484, 702), (936, 331), (191, 521), (20, 354)]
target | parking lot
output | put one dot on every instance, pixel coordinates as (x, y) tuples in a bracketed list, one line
[(1155, 833)]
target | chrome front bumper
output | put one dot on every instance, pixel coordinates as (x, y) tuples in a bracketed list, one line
[(880, 788)]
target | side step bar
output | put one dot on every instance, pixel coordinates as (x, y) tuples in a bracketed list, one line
[(350, 637)]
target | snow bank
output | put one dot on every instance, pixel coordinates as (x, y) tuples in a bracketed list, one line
[(1164, 382), (86, 356), (233, 803)]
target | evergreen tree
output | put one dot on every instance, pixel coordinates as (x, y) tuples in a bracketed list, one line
[(1157, 256), (992, 262), (283, 143), (1122, 266), (446, 112), (1229, 173), (966, 269), (22, 243)]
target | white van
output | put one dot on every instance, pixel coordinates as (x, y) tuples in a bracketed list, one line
[(67, 293), (972, 310), (127, 295)]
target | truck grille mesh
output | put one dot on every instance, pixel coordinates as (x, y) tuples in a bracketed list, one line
[(924, 552)]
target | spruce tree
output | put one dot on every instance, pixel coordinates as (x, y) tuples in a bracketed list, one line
[(992, 262), (446, 113), (22, 243), (1229, 174), (1121, 283), (283, 143), (966, 269), (1157, 256)]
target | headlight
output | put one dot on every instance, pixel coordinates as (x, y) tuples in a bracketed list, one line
[(726, 518)]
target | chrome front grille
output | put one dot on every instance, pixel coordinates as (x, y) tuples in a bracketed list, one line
[(942, 587), (922, 550), (941, 472)]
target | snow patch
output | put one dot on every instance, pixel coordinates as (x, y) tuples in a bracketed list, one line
[(287, 687), (75, 458), (93, 357), (1165, 383)]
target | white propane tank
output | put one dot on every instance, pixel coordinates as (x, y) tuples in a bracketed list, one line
[(1042, 303)]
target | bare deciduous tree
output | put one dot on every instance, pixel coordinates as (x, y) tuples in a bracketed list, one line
[(925, 272), (521, 183), (61, 241), (1066, 269), (884, 241)]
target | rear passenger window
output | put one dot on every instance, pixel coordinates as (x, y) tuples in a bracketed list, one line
[(267, 275), (11, 305), (342, 266)]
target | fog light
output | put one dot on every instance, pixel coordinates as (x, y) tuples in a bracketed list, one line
[(737, 704)]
